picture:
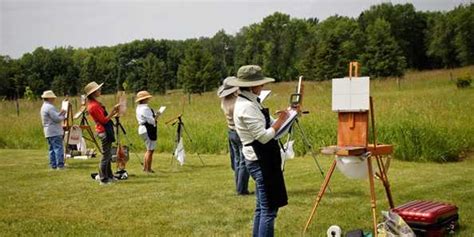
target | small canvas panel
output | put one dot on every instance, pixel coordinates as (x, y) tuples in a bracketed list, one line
[(350, 94)]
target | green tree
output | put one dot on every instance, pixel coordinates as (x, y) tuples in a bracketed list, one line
[(152, 74), (89, 71), (440, 43), (407, 27), (382, 55), (197, 73), (464, 39), (339, 41)]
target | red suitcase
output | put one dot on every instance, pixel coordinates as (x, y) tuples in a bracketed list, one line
[(429, 219)]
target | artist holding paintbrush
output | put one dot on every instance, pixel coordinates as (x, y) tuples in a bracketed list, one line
[(257, 130), (104, 128), (147, 128)]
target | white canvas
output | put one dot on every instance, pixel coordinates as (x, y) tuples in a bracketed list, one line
[(350, 95)]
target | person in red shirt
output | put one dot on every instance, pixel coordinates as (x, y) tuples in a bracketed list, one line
[(104, 128)]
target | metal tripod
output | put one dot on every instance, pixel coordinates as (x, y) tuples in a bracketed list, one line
[(179, 131), (307, 144), (119, 127)]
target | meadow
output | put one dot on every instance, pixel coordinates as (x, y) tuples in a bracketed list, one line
[(196, 200), (423, 115)]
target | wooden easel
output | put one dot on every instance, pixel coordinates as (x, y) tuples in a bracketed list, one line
[(68, 123), (352, 140)]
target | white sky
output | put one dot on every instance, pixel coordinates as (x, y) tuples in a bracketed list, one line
[(27, 24)]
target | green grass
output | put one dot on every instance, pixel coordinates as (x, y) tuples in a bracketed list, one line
[(424, 115), (193, 200)]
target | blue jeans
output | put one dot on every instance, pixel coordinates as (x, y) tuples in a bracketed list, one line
[(240, 170), (56, 152), (264, 219)]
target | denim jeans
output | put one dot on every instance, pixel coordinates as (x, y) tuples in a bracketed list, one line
[(264, 219), (56, 152), (240, 170), (105, 166)]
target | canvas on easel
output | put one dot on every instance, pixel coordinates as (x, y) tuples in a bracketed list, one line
[(352, 101)]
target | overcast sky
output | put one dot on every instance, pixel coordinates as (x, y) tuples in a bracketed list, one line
[(27, 24)]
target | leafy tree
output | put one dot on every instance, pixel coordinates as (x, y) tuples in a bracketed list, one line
[(197, 73), (152, 75), (407, 27), (440, 43), (339, 42), (382, 55), (464, 39)]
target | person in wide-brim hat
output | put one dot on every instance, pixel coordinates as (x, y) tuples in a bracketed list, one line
[(225, 89), (147, 128), (48, 95), (92, 87), (142, 95), (250, 76), (228, 95), (104, 128), (51, 120), (261, 151)]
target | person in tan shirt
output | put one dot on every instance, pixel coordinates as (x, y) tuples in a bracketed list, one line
[(228, 95)]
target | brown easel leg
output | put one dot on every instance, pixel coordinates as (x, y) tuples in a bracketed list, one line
[(322, 190), (384, 179), (372, 194)]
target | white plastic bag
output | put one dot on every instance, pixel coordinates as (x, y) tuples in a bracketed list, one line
[(179, 152)]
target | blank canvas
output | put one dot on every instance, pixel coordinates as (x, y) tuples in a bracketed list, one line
[(350, 94)]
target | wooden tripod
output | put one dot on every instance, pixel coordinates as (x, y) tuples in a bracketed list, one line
[(84, 125), (353, 141)]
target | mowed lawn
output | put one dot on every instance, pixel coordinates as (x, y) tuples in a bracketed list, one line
[(196, 200)]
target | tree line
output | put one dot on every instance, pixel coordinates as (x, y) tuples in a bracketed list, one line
[(387, 39)]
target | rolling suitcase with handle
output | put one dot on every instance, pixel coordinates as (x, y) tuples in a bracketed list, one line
[(429, 219)]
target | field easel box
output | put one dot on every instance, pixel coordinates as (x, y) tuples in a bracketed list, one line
[(353, 154)]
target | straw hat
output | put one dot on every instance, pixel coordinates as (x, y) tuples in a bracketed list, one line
[(92, 87), (225, 89), (249, 76), (142, 95), (48, 94)]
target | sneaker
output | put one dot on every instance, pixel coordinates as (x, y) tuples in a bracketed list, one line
[(52, 168), (245, 193), (62, 168)]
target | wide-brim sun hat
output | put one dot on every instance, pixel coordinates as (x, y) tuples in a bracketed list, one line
[(48, 95), (92, 87), (143, 95), (226, 89), (249, 76)]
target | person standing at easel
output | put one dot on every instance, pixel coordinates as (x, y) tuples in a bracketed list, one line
[(53, 131), (256, 130), (147, 128), (104, 128), (228, 95)]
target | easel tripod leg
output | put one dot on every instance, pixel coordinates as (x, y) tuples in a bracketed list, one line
[(322, 190), (308, 146), (384, 179), (191, 140), (372, 194)]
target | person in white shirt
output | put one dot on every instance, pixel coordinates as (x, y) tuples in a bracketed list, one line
[(256, 130), (53, 131), (147, 128)]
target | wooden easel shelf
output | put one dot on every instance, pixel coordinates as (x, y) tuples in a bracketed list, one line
[(380, 150), (83, 127)]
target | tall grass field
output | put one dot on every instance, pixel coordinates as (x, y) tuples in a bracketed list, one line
[(423, 115)]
